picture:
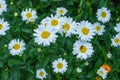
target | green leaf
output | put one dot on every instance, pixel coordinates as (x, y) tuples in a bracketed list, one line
[(12, 62), (27, 30), (91, 74), (4, 75), (1, 64)]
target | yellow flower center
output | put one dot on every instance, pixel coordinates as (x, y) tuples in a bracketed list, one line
[(54, 22), (1, 26), (103, 14), (41, 73), (61, 11), (83, 49), (29, 15), (45, 34), (117, 40), (16, 46), (0, 6), (85, 31), (66, 26), (98, 28), (59, 65), (101, 72)]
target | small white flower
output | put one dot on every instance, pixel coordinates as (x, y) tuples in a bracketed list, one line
[(116, 40), (117, 27), (61, 11), (39, 49), (41, 74), (109, 55), (15, 14), (3, 6), (103, 14), (60, 65), (79, 70), (29, 15), (11, 2), (99, 29), (4, 26), (82, 49), (5, 45), (102, 72), (16, 47), (85, 30), (86, 63), (44, 35)]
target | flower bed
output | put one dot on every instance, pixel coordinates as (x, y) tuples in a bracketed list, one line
[(59, 40)]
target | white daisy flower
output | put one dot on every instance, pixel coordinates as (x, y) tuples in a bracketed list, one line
[(85, 30), (68, 27), (60, 65), (41, 74), (117, 27), (82, 49), (16, 47), (103, 14), (61, 11), (44, 22), (99, 29), (29, 15), (55, 22), (4, 26), (116, 40), (102, 72), (45, 35), (3, 6)]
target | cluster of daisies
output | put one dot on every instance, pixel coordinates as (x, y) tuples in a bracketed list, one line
[(47, 30), (45, 34), (86, 31), (59, 66), (49, 27), (4, 25), (103, 71), (116, 39)]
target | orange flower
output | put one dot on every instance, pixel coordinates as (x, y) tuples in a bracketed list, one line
[(106, 67), (98, 78)]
